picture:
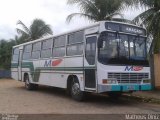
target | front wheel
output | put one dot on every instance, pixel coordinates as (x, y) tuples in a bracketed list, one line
[(76, 92), (28, 85)]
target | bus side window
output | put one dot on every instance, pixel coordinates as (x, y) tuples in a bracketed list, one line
[(91, 49), (36, 50), (46, 51), (75, 43), (76, 49), (15, 54), (27, 52), (59, 46), (76, 37)]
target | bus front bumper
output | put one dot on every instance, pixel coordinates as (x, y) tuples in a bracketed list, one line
[(124, 88)]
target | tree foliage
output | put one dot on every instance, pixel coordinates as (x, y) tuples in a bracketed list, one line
[(6, 53), (98, 10), (36, 30)]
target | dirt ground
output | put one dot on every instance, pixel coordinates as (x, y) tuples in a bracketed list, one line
[(15, 99)]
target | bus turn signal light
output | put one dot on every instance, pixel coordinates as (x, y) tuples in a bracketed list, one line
[(104, 81), (110, 81)]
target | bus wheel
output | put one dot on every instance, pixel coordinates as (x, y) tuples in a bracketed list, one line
[(76, 92), (28, 85)]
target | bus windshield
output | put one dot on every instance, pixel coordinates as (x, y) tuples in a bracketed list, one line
[(116, 48)]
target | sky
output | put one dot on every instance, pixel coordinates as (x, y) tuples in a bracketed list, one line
[(53, 12)]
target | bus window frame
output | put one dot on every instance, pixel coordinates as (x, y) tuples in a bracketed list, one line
[(36, 51), (72, 44), (17, 54), (51, 47), (27, 52)]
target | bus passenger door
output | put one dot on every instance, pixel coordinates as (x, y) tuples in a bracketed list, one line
[(20, 65), (89, 62)]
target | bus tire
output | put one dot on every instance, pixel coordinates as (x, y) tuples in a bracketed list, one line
[(75, 90), (28, 85)]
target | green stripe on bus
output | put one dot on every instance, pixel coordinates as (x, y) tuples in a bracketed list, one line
[(35, 73), (28, 65), (65, 68), (14, 65)]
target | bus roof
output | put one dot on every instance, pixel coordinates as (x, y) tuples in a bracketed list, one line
[(52, 36), (83, 28)]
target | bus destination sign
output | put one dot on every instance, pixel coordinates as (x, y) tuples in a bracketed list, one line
[(134, 30), (125, 28)]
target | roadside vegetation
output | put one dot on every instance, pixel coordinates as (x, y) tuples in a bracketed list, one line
[(99, 10), (36, 30)]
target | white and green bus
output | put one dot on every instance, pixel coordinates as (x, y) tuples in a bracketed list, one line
[(106, 57)]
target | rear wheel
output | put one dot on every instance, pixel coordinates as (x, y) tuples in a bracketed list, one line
[(28, 85), (75, 90)]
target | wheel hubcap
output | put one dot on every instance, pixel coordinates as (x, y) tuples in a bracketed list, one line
[(75, 89), (27, 82)]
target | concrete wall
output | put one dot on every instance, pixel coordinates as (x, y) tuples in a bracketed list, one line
[(5, 74), (157, 70)]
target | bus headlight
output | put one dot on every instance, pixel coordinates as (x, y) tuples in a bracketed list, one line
[(146, 81), (109, 81)]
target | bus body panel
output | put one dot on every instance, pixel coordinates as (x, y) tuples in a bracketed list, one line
[(14, 73), (75, 66), (123, 73), (56, 71)]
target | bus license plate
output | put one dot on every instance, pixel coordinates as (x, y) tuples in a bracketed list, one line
[(130, 87)]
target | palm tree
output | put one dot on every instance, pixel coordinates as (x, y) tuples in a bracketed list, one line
[(36, 30), (98, 10)]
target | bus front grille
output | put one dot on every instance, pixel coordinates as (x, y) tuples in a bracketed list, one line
[(128, 77)]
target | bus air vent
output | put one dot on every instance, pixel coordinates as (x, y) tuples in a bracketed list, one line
[(129, 77)]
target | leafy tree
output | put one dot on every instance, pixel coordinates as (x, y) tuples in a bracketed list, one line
[(98, 10), (37, 29), (6, 53)]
